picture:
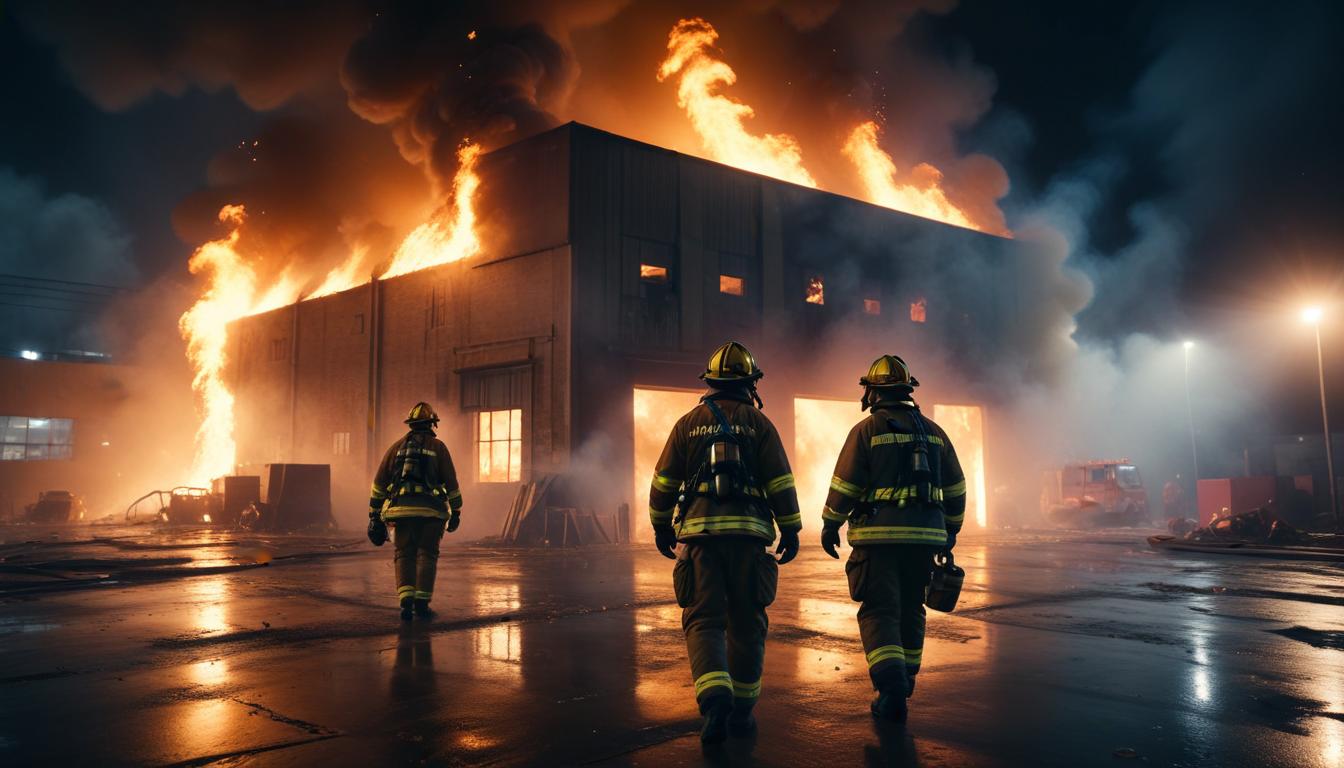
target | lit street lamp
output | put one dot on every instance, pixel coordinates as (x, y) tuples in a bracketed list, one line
[(1190, 414), (1312, 316)]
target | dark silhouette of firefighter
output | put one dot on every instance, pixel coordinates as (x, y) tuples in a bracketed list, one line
[(415, 491), (901, 489), (721, 486)]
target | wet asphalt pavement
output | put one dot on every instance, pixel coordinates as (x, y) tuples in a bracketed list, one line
[(203, 648)]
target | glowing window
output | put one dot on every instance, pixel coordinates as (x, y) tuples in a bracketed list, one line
[(816, 290), (652, 273), (872, 307), (919, 310), (965, 426), (731, 285), (34, 439), (499, 446), (340, 443)]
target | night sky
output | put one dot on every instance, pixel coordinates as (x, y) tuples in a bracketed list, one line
[(1194, 147)]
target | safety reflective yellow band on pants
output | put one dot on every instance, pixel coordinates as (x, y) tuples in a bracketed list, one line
[(885, 653), (711, 680), (743, 690), (913, 657), (405, 592)]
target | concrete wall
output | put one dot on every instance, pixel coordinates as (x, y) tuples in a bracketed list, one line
[(90, 394)]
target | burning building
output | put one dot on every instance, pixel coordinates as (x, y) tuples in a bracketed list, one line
[(607, 271)]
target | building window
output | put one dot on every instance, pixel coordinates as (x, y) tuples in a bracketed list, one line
[(872, 307), (652, 273), (499, 446), (816, 291), (731, 285), (919, 310), (24, 438), (340, 443)]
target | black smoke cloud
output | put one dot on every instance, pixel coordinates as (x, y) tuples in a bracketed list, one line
[(56, 237)]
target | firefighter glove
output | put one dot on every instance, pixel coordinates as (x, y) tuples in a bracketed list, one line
[(666, 540), (830, 538), (454, 520), (377, 529), (788, 545)]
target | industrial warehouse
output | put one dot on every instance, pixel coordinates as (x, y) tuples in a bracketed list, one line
[(611, 269)]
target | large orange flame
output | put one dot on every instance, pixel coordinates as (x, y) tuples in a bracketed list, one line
[(718, 119), (920, 193), (439, 242), (231, 292)]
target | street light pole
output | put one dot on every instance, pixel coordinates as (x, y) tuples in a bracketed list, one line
[(1325, 420), (1190, 415)]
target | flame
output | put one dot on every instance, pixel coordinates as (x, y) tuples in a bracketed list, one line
[(816, 291), (438, 242), (231, 292), (719, 119), (965, 427), (921, 193), (344, 276)]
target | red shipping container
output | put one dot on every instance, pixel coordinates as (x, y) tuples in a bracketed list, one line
[(1238, 494)]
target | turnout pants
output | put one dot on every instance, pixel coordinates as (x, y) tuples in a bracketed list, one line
[(416, 541), (889, 581), (723, 584)]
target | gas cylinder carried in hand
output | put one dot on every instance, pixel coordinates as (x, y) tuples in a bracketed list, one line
[(945, 587)]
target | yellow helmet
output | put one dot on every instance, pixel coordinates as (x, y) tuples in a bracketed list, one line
[(889, 371), (421, 413), (731, 364)]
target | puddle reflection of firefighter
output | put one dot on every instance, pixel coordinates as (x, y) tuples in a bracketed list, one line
[(900, 487), (725, 476), (415, 490)]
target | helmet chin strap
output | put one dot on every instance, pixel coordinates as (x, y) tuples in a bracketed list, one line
[(756, 397)]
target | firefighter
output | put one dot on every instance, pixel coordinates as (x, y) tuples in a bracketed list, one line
[(901, 489), (721, 486), (415, 491)]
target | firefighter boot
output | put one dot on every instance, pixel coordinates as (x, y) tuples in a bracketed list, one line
[(890, 705), (716, 710), (407, 608), (422, 609), (741, 722)]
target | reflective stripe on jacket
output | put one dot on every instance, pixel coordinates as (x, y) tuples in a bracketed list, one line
[(771, 501), (431, 491), (872, 490)]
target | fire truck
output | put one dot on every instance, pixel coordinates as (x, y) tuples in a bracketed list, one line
[(1095, 494)]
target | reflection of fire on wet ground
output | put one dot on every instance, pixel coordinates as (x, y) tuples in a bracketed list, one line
[(37, 560)]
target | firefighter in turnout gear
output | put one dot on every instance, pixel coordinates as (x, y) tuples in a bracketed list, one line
[(415, 491), (901, 489), (721, 486)]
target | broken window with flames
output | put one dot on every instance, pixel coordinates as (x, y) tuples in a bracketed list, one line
[(919, 310), (816, 290)]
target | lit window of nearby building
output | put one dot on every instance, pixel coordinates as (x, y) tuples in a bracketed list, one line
[(24, 438), (816, 290), (652, 273), (919, 310), (731, 285), (340, 443), (499, 446), (872, 307)]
